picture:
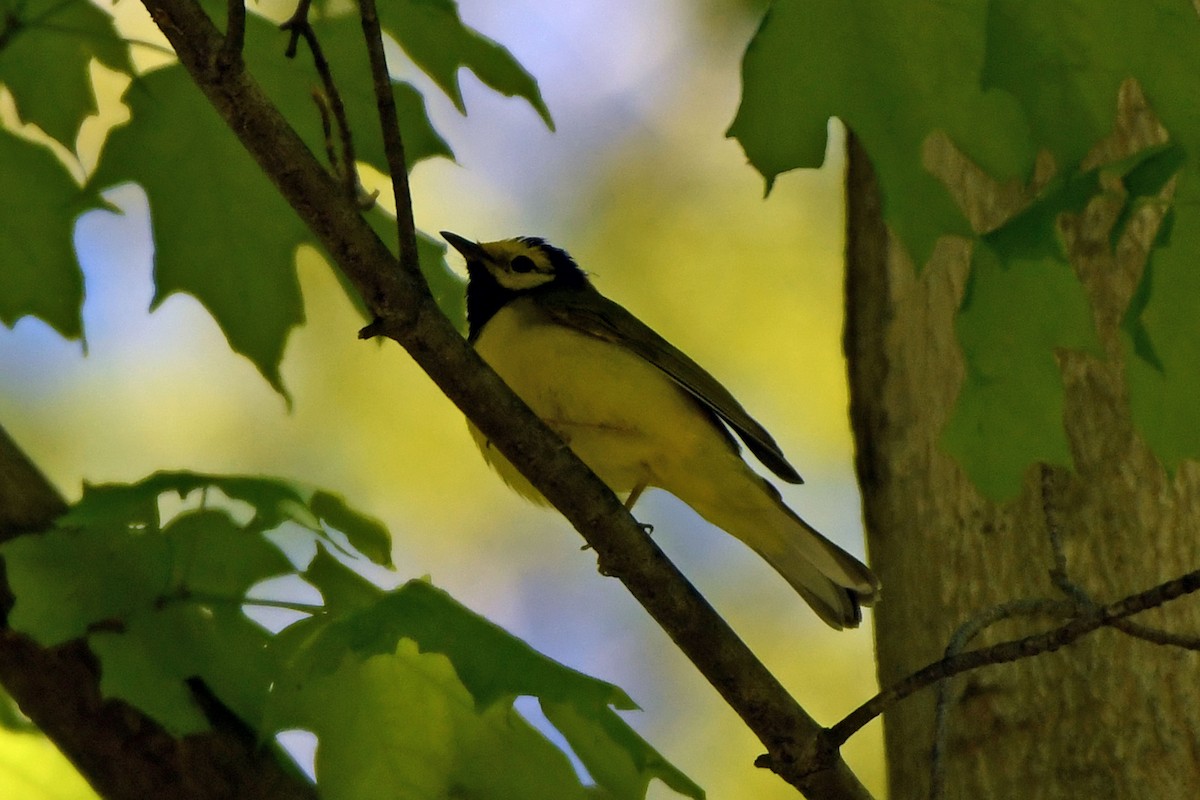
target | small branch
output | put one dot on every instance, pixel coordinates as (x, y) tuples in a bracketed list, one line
[(296, 25), (958, 642), (235, 31), (1013, 650), (1156, 636), (393, 142), (347, 171), (1060, 576)]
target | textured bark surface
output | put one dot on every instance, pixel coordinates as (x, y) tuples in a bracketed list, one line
[(1108, 717)]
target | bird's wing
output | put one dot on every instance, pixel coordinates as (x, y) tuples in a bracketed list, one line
[(594, 314)]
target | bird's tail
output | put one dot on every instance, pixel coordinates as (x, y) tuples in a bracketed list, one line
[(837, 589), (832, 581)]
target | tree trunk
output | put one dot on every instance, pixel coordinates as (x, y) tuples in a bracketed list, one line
[(1111, 716)]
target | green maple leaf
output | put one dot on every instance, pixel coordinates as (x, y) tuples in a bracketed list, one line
[(894, 73), (435, 38), (39, 272), (45, 48), (1002, 79), (1065, 61), (222, 232), (494, 667)]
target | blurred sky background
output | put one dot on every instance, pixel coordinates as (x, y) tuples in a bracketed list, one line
[(641, 186)]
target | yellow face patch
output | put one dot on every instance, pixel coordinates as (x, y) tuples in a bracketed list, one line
[(517, 265)]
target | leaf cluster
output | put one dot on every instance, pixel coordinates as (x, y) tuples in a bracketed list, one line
[(221, 231), (202, 595), (1027, 93)]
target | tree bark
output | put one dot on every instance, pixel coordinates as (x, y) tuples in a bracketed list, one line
[(1111, 716)]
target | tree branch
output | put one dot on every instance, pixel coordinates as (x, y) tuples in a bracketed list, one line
[(406, 312), (1004, 652), (1060, 577), (393, 142), (122, 753)]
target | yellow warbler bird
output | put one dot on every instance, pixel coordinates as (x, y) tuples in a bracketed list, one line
[(640, 413)]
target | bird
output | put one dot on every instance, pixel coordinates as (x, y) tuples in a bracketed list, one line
[(640, 413)]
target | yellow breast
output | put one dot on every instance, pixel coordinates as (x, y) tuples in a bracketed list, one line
[(620, 414)]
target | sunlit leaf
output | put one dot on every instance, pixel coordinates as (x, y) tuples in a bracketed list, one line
[(616, 757), (492, 663)]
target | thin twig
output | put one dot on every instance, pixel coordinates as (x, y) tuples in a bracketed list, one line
[(347, 170), (322, 104), (235, 31), (958, 642), (294, 24), (393, 142), (1013, 650), (1060, 575), (1154, 635)]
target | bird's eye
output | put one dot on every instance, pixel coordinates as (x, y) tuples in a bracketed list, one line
[(522, 264)]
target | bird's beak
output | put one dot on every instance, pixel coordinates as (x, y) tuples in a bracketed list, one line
[(471, 251)]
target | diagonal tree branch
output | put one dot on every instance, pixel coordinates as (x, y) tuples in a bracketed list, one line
[(406, 312), (122, 753)]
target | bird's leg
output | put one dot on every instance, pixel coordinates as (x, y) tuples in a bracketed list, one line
[(633, 498), (629, 501), (634, 495)]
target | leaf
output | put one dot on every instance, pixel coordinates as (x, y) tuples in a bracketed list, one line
[(386, 724), (222, 232), (619, 760), (45, 48), (56, 601), (492, 663), (39, 201), (11, 718), (162, 604), (1163, 343), (495, 667), (133, 670), (368, 535), (401, 724), (203, 542), (503, 756), (341, 587), (1009, 411), (435, 38), (1064, 61), (894, 73), (291, 82), (1003, 79)]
